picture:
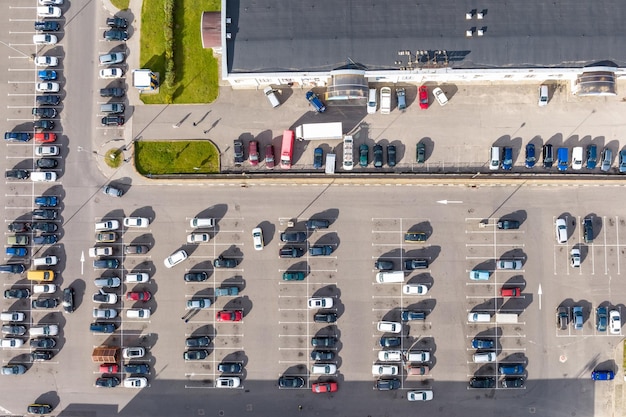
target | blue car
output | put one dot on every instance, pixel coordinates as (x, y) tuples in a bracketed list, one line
[(592, 156), (315, 101), (602, 375), (16, 136), (511, 369), (622, 161), (482, 344), (507, 158), (530, 155), (318, 155), (21, 252), (46, 201), (562, 159), (47, 75)]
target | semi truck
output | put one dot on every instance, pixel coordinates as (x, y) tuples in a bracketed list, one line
[(320, 131)]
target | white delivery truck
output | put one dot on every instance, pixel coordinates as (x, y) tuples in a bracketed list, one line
[(348, 153), (510, 318), (330, 163), (320, 131)]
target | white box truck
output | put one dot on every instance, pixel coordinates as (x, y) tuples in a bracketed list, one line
[(330, 163), (320, 131), (510, 318)]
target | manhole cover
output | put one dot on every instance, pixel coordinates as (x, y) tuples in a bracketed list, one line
[(220, 413), (201, 411), (532, 410)]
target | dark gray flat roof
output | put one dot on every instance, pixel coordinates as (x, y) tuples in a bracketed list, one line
[(321, 35)]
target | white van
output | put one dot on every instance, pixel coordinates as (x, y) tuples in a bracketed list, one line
[(270, 93), (371, 101), (138, 277), (390, 277), (198, 222), (543, 95), (45, 261), (418, 356), (43, 176), (44, 330), (484, 357), (494, 160), (479, 317)]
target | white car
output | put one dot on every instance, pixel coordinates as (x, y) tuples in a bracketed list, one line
[(138, 313), (138, 277), (46, 261), (198, 238), (100, 251), (228, 382), (411, 289), (43, 176), (108, 282), (511, 264), (45, 39), (111, 58), (201, 303), (107, 225), (440, 96), (320, 302), (384, 370), (390, 356), (577, 158), (136, 222), (389, 326), (104, 297), (12, 316), (46, 61), (50, 2), (104, 313), (11, 343), (175, 258), (574, 257), (47, 150), (48, 11), (484, 357), (136, 382), (561, 230), (134, 352), (257, 238), (44, 289), (324, 369), (47, 87), (615, 322), (425, 395), (111, 73), (44, 330)]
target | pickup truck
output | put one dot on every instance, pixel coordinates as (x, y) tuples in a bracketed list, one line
[(226, 291)]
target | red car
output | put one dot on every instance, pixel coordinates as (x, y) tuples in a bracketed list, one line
[(45, 137), (511, 292), (423, 93), (109, 368), (234, 315), (321, 387), (253, 152), (138, 296), (269, 157)]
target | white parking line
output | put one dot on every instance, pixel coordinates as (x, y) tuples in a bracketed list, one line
[(617, 240)]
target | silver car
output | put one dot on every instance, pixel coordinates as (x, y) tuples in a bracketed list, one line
[(509, 264)]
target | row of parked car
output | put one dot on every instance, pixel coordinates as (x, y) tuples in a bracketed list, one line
[(113, 112)]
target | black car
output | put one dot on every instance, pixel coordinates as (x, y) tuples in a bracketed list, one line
[(588, 230), (17, 293), (238, 150), (411, 264), (17, 174), (322, 355), (378, 156), (47, 26), (117, 22), (291, 382), (229, 367), (106, 264), (45, 240), (115, 35), (102, 327), (391, 155), (14, 329), (317, 224), (320, 250), (415, 237), (44, 343), (290, 252), (383, 265), (45, 214), (197, 341), (45, 227), (482, 382), (18, 227), (44, 124), (107, 382), (390, 341), (45, 303), (293, 237), (39, 409), (137, 368), (12, 268), (44, 112), (508, 224), (112, 121), (513, 383), (548, 156), (41, 355), (16, 136), (195, 355), (325, 317), (325, 341), (48, 100), (196, 276), (420, 153), (112, 92), (387, 384), (222, 262), (68, 300)]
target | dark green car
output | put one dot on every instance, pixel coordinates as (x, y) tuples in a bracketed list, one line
[(421, 153), (363, 155), (415, 237), (293, 276)]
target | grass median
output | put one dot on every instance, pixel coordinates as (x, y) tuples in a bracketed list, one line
[(176, 157), (120, 4), (196, 69)]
